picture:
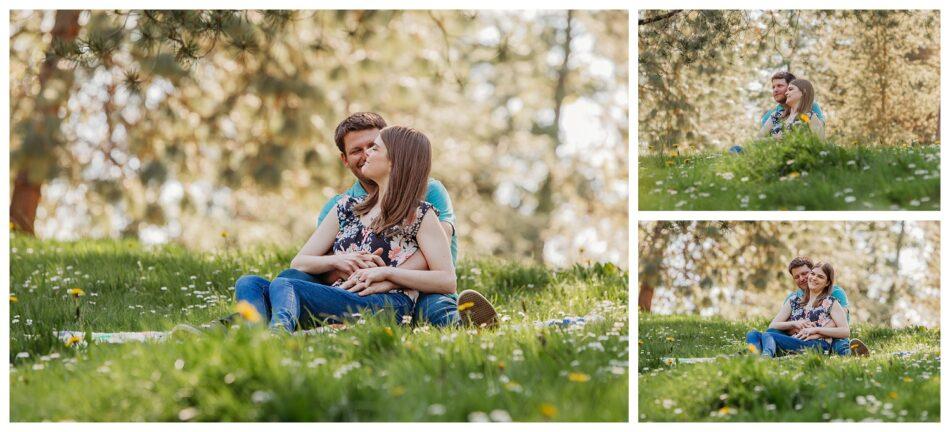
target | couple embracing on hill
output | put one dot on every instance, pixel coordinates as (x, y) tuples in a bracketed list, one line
[(388, 244), (796, 109)]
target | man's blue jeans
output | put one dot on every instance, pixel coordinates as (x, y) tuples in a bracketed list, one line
[(841, 346), (440, 310), (294, 299), (771, 344)]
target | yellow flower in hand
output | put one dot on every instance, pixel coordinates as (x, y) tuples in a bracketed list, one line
[(804, 118)]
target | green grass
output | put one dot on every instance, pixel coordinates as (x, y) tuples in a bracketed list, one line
[(797, 173), (370, 371), (806, 387)]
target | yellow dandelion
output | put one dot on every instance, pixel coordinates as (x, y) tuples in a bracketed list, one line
[(224, 234), (247, 311), (388, 331), (501, 365), (908, 379), (892, 395), (578, 377), (669, 361), (670, 338), (13, 298), (76, 292), (670, 162), (466, 305), (752, 349), (548, 410), (73, 340), (793, 174), (726, 410), (398, 391), (804, 118)]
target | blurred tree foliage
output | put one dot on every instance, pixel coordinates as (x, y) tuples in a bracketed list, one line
[(701, 73), (184, 125), (890, 270)]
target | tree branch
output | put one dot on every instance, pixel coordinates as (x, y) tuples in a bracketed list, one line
[(651, 20)]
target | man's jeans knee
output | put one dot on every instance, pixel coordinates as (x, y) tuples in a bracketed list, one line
[(841, 346), (297, 274), (440, 310)]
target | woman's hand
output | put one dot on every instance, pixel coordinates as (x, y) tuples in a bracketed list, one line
[(369, 281), (808, 333), (349, 263), (797, 325)]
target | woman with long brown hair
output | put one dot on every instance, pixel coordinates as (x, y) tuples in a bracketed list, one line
[(387, 226), (813, 318), (799, 99)]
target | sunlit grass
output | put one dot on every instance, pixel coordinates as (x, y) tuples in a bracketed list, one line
[(797, 173), (372, 370), (807, 387)]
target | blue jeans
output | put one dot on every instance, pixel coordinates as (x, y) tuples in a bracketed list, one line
[(294, 299), (440, 310), (771, 344), (841, 346)]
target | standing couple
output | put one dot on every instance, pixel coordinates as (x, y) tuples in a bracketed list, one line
[(388, 244), (815, 316), (796, 109)]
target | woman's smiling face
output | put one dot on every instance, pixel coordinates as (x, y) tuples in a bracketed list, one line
[(793, 95), (377, 163), (817, 279)]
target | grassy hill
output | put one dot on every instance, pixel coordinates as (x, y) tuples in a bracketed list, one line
[(798, 173), (369, 371), (806, 387)]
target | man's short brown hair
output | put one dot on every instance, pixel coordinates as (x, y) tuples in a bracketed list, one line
[(784, 75), (800, 261), (357, 122)]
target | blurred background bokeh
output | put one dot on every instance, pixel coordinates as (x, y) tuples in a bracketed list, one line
[(890, 270), (704, 75), (214, 128)]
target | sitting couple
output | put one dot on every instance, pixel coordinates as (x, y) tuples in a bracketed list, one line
[(815, 316), (388, 244), (796, 107)]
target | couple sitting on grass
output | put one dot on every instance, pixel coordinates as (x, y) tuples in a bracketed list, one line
[(796, 109), (388, 244), (815, 316)]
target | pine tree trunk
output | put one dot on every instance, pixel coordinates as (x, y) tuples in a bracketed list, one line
[(27, 191)]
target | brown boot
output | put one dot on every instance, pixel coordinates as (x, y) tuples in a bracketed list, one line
[(858, 348), (475, 309)]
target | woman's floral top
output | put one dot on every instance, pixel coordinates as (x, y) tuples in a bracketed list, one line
[(779, 124), (398, 242), (820, 314)]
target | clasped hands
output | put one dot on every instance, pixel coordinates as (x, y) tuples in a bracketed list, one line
[(805, 330), (367, 272)]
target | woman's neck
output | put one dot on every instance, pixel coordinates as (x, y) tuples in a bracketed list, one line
[(813, 294), (793, 108), (383, 185)]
